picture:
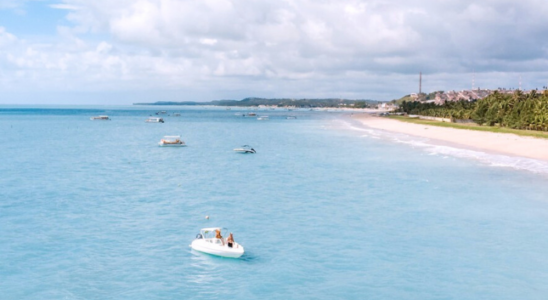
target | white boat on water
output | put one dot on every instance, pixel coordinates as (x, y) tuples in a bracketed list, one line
[(251, 114), (291, 117), (172, 141), (154, 120), (101, 118), (207, 242), (263, 118), (245, 149)]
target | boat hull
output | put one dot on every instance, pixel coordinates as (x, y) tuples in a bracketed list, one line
[(243, 151), (209, 247), (171, 145)]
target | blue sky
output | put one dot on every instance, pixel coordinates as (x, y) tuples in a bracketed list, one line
[(125, 51), (30, 20)]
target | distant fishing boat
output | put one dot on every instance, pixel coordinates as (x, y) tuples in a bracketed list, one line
[(100, 118), (263, 118)]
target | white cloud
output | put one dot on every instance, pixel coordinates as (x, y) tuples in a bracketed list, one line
[(6, 38), (362, 49), (64, 6)]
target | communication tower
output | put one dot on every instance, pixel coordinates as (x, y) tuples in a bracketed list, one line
[(420, 83)]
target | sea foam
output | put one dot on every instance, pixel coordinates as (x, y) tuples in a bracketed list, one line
[(435, 147)]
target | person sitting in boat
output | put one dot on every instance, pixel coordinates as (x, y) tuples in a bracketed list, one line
[(177, 141), (230, 240), (219, 236)]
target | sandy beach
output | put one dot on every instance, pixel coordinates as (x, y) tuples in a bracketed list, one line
[(501, 143)]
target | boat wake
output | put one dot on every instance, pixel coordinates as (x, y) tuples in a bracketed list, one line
[(436, 148)]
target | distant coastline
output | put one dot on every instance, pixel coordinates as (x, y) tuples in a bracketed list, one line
[(282, 102)]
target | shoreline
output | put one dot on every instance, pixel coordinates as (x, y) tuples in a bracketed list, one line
[(498, 143)]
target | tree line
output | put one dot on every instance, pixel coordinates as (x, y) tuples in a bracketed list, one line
[(518, 110)]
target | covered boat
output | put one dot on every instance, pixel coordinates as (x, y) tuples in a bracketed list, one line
[(172, 141), (245, 149), (207, 242)]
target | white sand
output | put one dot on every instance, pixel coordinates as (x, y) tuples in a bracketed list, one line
[(502, 143)]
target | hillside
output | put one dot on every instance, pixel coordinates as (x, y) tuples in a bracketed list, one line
[(253, 101)]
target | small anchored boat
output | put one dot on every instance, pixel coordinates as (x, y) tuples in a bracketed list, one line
[(263, 118), (245, 149), (172, 141), (154, 120), (207, 242)]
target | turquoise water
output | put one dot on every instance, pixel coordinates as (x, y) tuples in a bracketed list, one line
[(96, 210)]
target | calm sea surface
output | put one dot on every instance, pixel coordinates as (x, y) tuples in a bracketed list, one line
[(96, 210)]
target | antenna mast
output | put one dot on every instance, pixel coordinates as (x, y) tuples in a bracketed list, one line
[(420, 83)]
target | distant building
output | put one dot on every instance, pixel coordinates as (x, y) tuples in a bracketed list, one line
[(387, 106), (466, 95)]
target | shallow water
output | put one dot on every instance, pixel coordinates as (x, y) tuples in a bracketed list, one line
[(96, 210)]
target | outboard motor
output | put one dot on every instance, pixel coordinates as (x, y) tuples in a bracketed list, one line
[(199, 236)]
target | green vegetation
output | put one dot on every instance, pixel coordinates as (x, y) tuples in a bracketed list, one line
[(406, 98), (514, 111), (473, 126), (307, 103), (451, 110)]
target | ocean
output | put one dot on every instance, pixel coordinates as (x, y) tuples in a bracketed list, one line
[(325, 209)]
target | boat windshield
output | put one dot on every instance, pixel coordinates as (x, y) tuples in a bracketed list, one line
[(209, 233)]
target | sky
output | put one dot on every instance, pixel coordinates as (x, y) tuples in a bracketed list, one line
[(126, 51)]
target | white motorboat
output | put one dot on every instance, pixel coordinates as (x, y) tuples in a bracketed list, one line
[(207, 242), (291, 117), (172, 141), (263, 118), (245, 149), (154, 120), (101, 118)]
